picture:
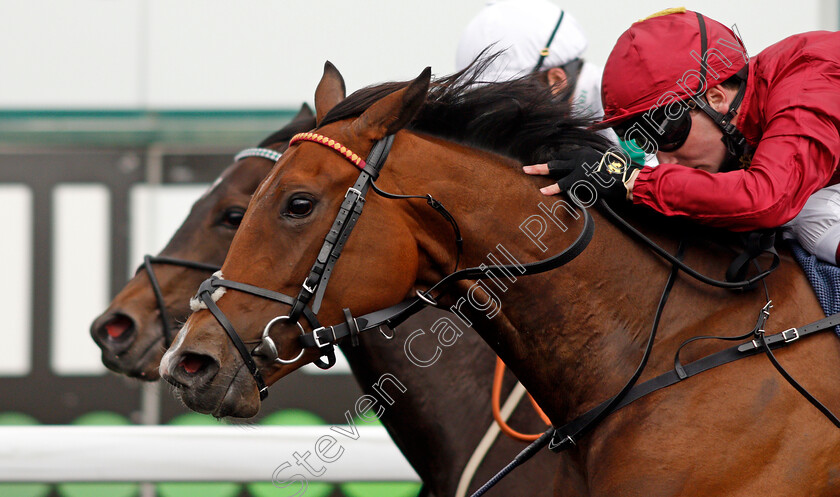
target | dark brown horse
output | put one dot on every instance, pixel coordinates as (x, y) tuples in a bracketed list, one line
[(446, 404), (131, 332), (572, 336)]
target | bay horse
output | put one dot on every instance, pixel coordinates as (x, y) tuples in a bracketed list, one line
[(447, 405), (572, 336)]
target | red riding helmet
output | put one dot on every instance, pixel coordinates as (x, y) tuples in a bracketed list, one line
[(668, 57)]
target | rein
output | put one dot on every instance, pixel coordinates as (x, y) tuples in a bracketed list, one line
[(149, 260)]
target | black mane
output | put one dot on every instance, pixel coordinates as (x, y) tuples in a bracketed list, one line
[(521, 118)]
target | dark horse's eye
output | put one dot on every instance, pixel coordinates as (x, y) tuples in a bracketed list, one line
[(299, 207), (232, 217)]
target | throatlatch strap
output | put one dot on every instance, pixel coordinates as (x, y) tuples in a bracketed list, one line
[(553, 262)]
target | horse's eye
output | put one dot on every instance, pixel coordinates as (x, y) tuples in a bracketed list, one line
[(232, 217), (299, 207)]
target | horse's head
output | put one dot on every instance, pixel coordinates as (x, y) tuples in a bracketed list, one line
[(135, 330), (279, 241)]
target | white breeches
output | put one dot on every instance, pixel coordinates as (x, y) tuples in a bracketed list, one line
[(817, 226)]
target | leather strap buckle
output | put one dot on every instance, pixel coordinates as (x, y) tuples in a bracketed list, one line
[(318, 342), (310, 289), (794, 335), (357, 192)]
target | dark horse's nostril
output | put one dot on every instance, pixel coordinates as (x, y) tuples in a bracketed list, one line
[(114, 333), (117, 327)]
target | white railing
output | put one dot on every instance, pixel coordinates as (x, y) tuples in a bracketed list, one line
[(197, 453)]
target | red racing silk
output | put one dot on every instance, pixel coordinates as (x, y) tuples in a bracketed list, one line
[(791, 116)]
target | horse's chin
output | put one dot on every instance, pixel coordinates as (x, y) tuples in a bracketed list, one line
[(141, 361), (147, 367)]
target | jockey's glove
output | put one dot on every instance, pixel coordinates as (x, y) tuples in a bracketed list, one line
[(607, 174)]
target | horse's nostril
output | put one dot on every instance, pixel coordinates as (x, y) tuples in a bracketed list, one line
[(194, 363), (192, 370), (118, 326), (114, 333)]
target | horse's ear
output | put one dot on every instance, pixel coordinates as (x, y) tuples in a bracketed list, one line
[(390, 114), (330, 91), (305, 113)]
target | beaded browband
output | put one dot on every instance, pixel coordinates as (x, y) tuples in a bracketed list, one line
[(329, 142)]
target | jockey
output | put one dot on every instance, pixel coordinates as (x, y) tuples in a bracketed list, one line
[(743, 143), (534, 36)]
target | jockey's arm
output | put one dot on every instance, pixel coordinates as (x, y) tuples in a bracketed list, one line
[(785, 170)]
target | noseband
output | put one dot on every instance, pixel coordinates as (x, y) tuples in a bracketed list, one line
[(149, 260), (313, 287)]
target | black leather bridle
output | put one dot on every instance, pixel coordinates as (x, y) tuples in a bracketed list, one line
[(324, 338), (150, 260)]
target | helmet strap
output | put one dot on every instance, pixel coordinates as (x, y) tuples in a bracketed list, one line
[(732, 137), (545, 51)]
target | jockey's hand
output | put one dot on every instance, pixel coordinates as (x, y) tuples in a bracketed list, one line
[(610, 174)]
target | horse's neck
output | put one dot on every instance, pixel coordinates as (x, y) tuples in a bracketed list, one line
[(582, 328)]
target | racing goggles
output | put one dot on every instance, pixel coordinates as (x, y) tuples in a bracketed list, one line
[(669, 133)]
